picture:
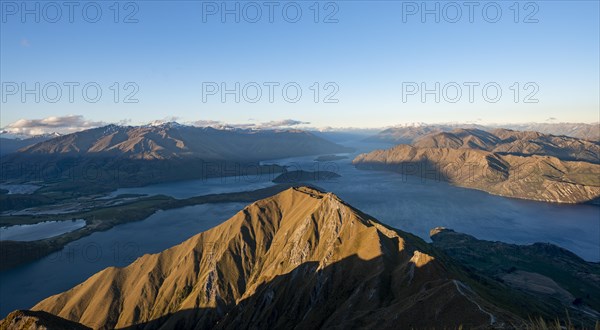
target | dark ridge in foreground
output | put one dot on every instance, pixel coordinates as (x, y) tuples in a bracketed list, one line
[(555, 278)]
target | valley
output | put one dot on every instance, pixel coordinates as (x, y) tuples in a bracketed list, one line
[(325, 165), (386, 196), (152, 208)]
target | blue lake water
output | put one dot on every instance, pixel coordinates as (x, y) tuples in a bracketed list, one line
[(416, 206), (39, 230), (186, 189), (24, 286), (20, 188), (406, 203)]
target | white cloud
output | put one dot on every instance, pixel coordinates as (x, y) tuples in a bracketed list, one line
[(63, 125), (125, 122), (164, 120), (282, 123), (74, 123), (279, 124), (208, 123)]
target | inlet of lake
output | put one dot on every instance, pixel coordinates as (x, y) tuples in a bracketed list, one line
[(407, 203), (39, 230)]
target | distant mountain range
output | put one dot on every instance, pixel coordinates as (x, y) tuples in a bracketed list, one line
[(408, 133), (301, 259), (105, 158), (504, 141), (175, 141), (401, 134), (589, 132), (525, 165)]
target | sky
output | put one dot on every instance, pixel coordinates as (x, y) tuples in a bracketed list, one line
[(338, 63)]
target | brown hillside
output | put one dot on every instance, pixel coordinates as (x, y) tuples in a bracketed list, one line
[(535, 177), (299, 259)]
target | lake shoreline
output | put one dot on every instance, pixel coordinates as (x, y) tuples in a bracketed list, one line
[(16, 253)]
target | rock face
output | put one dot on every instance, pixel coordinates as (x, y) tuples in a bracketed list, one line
[(300, 259), (541, 178), (504, 141)]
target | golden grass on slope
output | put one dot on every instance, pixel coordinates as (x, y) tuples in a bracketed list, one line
[(302, 258), (541, 324)]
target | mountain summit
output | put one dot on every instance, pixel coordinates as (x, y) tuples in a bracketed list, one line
[(300, 259)]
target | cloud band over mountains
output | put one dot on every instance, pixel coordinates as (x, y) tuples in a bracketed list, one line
[(74, 123), (64, 125)]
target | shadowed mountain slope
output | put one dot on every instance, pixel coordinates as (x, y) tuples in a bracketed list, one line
[(556, 278)]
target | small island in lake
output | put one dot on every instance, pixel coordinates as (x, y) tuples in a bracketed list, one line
[(305, 176), (329, 158)]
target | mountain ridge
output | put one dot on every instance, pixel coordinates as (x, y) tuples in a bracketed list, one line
[(171, 140), (409, 133), (271, 264), (535, 177), (115, 156), (506, 141), (555, 277)]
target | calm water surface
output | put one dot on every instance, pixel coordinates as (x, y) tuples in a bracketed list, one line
[(186, 189), (20, 188), (40, 230), (23, 287)]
